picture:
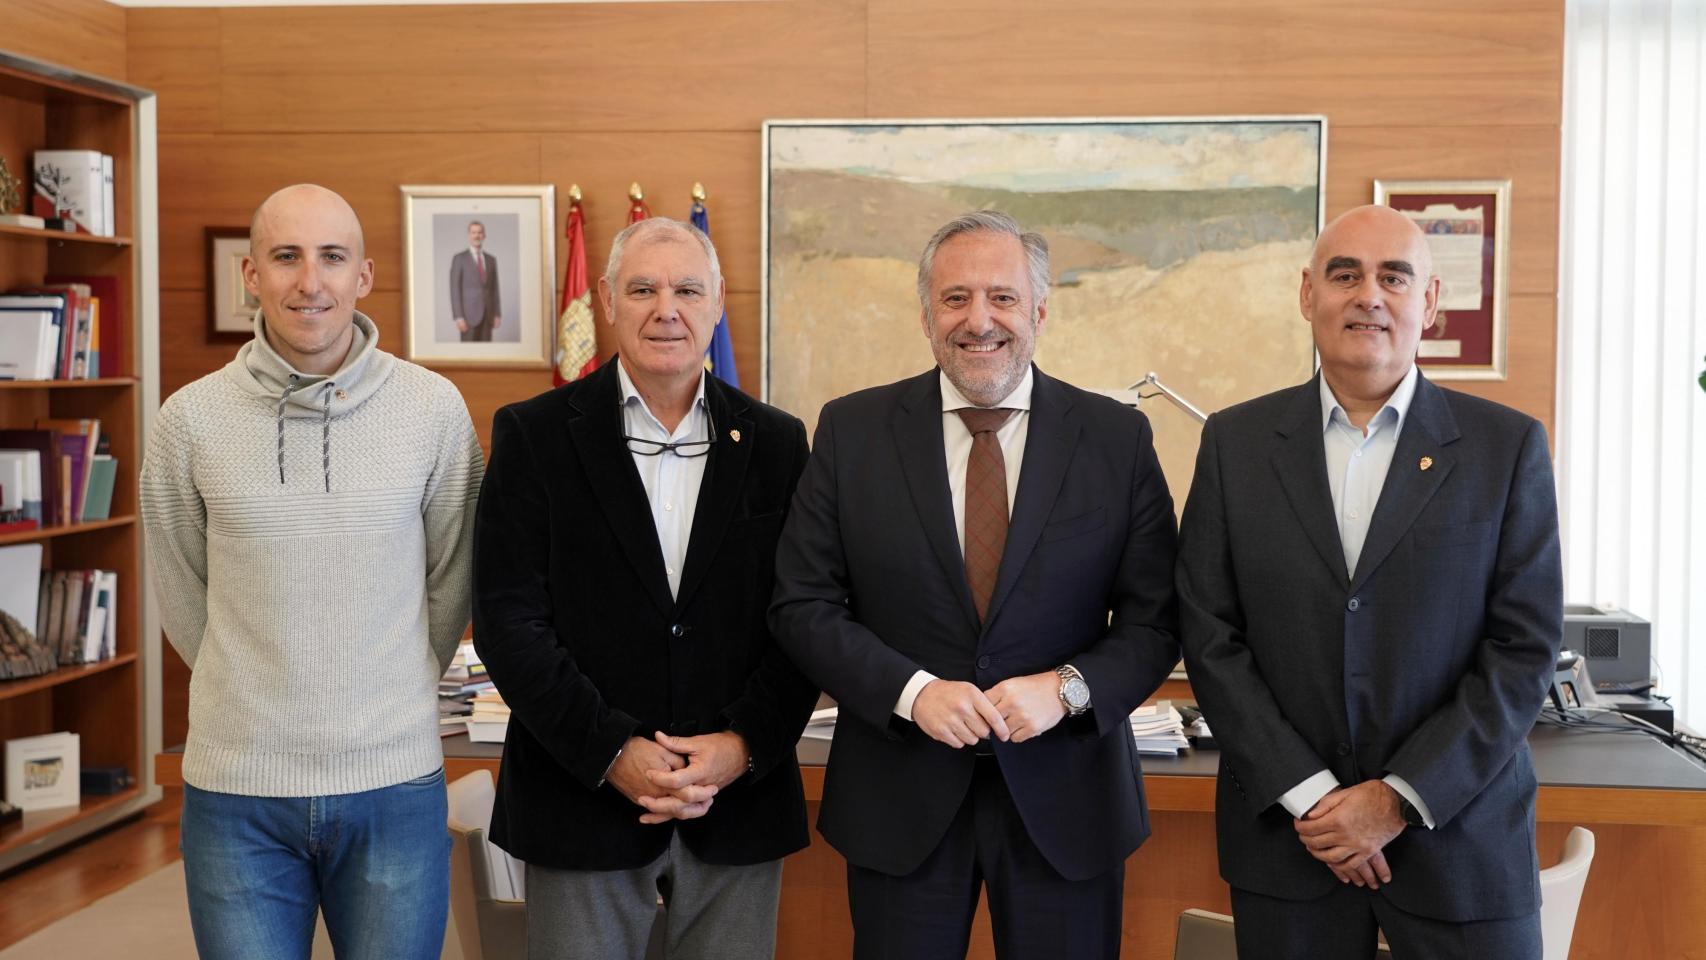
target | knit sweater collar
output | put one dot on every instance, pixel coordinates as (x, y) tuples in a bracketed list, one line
[(260, 372)]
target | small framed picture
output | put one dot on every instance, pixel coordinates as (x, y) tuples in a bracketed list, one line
[(230, 307), (1467, 223), (478, 275), (44, 771)]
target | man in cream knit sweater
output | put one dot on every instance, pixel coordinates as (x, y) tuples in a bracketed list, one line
[(309, 511)]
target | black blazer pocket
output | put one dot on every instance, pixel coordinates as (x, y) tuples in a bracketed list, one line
[(1075, 526), (1452, 534)]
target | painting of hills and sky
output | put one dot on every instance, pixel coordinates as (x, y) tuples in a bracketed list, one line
[(1176, 247)]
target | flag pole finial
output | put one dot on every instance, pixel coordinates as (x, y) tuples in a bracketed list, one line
[(634, 192), (698, 192), (574, 194)]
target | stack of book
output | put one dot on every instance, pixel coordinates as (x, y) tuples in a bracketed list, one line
[(465, 677), (1159, 729), (53, 330), (77, 613), (74, 192), (489, 721), (58, 473)]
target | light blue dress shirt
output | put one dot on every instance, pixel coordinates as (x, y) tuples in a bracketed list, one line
[(1357, 464)]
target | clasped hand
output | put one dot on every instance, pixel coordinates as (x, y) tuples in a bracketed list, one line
[(1348, 829), (1015, 710), (677, 778)]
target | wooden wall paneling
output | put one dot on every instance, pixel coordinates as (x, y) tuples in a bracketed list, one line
[(1440, 64), (210, 180), (86, 35), (1527, 156), (176, 54), (701, 66), (666, 164)]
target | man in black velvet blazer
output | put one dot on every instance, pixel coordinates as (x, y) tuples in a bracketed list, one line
[(983, 736), (624, 557), (1371, 604)]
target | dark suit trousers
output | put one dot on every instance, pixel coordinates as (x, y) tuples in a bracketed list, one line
[(478, 332), (1342, 926), (1036, 914)]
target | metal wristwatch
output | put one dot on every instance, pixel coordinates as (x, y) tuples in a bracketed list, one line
[(1074, 692)]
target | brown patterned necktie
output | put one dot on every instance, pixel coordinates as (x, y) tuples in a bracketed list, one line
[(986, 502)]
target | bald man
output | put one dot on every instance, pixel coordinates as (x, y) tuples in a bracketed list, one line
[(1371, 606), (309, 511)]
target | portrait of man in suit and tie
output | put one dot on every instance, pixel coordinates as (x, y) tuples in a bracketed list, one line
[(1371, 606), (475, 302), (978, 568)]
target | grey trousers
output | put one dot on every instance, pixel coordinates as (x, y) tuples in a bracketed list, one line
[(711, 912)]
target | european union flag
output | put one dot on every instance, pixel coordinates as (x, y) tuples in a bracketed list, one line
[(720, 359)]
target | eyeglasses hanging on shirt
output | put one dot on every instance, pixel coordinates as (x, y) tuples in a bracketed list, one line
[(686, 449)]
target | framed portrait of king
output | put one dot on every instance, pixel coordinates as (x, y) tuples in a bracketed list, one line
[(478, 271)]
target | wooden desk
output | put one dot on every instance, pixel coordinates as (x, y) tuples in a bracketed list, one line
[(1645, 803)]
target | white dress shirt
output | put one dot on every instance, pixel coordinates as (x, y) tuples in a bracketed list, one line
[(1357, 464), (671, 482), (956, 447)]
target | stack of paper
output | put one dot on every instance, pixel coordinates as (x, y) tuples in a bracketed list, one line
[(822, 724), (1158, 729), (490, 720)]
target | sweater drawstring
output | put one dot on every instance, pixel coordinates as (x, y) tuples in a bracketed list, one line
[(326, 434), (326, 394), (291, 387)]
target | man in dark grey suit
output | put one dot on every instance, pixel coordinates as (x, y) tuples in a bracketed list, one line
[(474, 288), (985, 657), (1371, 606)]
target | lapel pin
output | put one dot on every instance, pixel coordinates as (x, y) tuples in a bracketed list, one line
[(734, 435), (1427, 462)]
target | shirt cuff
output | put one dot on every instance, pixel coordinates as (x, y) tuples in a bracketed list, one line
[(909, 693), (1409, 793), (1302, 798)]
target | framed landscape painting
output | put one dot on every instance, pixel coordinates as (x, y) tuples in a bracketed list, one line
[(1176, 247)]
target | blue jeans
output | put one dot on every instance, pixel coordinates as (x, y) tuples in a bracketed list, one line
[(377, 863)]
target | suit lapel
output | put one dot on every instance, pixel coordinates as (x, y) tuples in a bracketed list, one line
[(918, 438), (1301, 463), (1428, 427), (597, 439), (1049, 441), (719, 492)]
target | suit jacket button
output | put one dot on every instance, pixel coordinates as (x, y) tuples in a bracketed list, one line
[(983, 663), (1353, 605), (1344, 749), (676, 630)]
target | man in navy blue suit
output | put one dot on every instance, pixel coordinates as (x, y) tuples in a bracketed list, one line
[(1371, 606), (978, 567)]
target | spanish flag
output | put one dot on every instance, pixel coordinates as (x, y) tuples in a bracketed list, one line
[(577, 338)]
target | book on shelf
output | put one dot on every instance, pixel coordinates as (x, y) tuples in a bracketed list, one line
[(27, 338), (45, 444), (108, 320), (71, 185), (32, 341), (77, 614), (98, 498), (20, 486), (79, 440)]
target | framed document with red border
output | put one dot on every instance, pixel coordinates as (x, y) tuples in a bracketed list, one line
[(1467, 223)]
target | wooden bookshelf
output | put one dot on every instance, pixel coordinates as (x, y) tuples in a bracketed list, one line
[(96, 384), (63, 236), (44, 106)]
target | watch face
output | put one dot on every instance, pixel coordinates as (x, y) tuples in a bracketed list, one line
[(1077, 693)]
